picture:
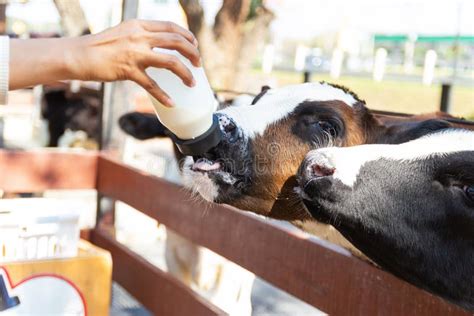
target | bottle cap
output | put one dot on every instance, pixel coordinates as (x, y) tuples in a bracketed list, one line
[(201, 144)]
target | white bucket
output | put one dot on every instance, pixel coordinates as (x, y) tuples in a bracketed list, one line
[(36, 229)]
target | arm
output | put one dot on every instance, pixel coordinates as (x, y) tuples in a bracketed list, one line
[(39, 61), (120, 53)]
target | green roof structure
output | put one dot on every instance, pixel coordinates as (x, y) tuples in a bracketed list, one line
[(423, 38)]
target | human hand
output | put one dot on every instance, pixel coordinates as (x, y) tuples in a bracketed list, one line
[(125, 51)]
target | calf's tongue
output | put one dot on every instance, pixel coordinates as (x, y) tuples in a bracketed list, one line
[(204, 164)]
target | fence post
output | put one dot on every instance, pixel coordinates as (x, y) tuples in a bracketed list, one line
[(379, 64), (306, 76), (445, 105), (1, 133), (337, 59), (429, 67), (267, 60)]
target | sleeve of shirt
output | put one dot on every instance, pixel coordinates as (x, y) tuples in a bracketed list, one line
[(4, 71)]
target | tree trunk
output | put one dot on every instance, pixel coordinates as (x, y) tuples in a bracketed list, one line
[(253, 41), (73, 20), (3, 18), (229, 47)]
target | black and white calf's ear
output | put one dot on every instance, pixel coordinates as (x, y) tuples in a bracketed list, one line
[(402, 133), (142, 125), (263, 90)]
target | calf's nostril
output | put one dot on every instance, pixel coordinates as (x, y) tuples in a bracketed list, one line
[(319, 170), (230, 127)]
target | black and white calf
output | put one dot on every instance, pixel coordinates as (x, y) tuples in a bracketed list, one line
[(408, 207), (66, 111)]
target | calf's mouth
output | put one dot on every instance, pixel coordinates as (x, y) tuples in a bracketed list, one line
[(228, 166)]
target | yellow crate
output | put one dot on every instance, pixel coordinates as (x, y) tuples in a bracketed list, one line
[(66, 286)]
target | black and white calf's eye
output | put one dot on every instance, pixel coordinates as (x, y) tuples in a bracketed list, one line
[(469, 190)]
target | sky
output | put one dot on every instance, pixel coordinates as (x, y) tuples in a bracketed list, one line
[(299, 18), (303, 19)]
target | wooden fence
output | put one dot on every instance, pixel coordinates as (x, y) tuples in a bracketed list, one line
[(314, 271)]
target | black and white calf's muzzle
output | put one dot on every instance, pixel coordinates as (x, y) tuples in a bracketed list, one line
[(326, 177), (315, 173), (233, 145), (319, 185), (228, 165)]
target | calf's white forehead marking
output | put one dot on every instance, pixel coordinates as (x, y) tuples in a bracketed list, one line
[(275, 104), (348, 161)]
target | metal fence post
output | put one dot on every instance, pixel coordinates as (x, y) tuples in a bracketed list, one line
[(115, 102), (2, 142), (306, 76), (445, 104)]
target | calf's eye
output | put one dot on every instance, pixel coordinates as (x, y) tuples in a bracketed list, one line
[(327, 127), (469, 190)]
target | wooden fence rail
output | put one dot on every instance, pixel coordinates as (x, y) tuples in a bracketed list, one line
[(36, 171), (155, 289), (323, 275), (315, 271)]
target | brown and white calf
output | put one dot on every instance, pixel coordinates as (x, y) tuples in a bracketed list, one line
[(264, 143)]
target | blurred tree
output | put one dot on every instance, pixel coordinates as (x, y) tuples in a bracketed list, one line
[(73, 20), (230, 45), (3, 17)]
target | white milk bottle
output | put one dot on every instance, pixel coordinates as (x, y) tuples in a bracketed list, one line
[(192, 123)]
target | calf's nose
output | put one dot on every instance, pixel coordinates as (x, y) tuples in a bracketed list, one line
[(317, 165), (314, 175), (321, 170), (229, 128), (233, 147)]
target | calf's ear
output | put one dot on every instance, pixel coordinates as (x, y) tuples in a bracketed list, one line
[(142, 125), (407, 131)]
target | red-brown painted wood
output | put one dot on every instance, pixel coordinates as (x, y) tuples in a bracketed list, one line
[(155, 289), (313, 271), (36, 171)]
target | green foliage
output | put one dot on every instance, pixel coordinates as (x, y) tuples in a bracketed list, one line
[(254, 4)]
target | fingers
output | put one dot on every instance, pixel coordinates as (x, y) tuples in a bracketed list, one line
[(150, 85), (179, 43), (164, 35), (171, 63), (169, 27)]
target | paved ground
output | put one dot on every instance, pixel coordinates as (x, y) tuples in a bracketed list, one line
[(269, 300), (266, 300), (123, 304)]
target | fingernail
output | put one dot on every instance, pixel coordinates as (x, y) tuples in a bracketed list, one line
[(169, 102), (192, 83), (195, 42)]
